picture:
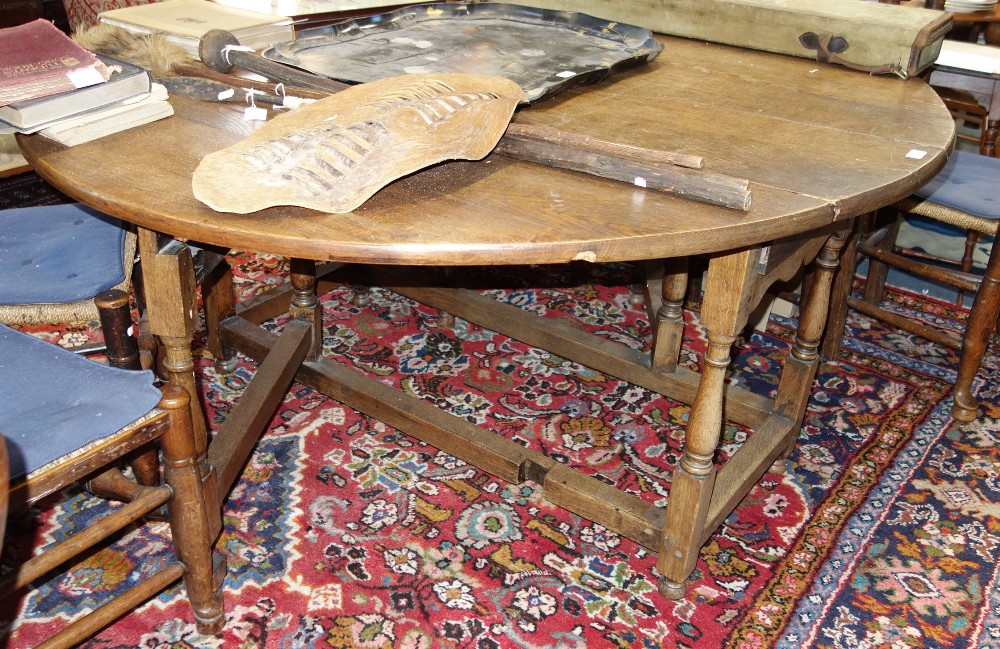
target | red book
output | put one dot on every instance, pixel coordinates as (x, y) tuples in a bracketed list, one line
[(38, 60)]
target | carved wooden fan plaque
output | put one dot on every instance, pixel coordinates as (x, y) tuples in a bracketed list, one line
[(334, 154)]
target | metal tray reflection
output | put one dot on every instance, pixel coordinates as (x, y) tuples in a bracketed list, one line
[(543, 51)]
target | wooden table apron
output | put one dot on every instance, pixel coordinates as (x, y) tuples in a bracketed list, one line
[(820, 144)]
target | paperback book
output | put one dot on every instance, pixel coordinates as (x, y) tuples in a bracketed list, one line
[(120, 116)]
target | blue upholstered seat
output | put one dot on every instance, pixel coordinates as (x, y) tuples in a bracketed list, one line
[(968, 182), (54, 402), (57, 254)]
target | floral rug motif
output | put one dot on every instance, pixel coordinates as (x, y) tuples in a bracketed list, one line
[(343, 532)]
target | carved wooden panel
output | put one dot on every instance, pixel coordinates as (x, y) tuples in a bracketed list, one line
[(334, 154)]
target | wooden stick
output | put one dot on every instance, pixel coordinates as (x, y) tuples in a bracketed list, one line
[(204, 72), (593, 158), (530, 133)]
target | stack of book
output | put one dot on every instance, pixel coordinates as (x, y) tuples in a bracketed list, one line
[(41, 89), (184, 22)]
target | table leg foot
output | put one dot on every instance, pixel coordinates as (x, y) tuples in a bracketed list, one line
[(362, 296), (226, 365), (445, 320), (673, 590), (965, 412)]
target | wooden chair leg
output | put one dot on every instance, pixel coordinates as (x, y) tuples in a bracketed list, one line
[(981, 324), (971, 238), (189, 509), (119, 330), (878, 271), (121, 340)]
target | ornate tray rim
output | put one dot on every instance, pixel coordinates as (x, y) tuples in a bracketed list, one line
[(638, 43)]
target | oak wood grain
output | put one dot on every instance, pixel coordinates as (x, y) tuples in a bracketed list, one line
[(818, 143)]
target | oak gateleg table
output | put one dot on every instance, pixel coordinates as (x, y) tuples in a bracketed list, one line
[(820, 144)]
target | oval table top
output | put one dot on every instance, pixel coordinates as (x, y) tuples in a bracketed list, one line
[(818, 143)]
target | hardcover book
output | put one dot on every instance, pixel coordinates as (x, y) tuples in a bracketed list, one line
[(40, 60), (184, 22), (126, 80)]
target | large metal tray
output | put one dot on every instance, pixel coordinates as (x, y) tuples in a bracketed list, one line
[(541, 50)]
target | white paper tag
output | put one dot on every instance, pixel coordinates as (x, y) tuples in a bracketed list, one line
[(255, 113), (639, 182), (85, 77), (295, 102), (226, 94), (916, 154)]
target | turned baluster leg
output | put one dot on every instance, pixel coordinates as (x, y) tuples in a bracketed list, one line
[(799, 369), (724, 314), (169, 288), (694, 478), (981, 323), (305, 302), (219, 302), (992, 134), (668, 318), (843, 282)]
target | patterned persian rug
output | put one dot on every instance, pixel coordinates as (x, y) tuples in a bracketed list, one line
[(883, 530)]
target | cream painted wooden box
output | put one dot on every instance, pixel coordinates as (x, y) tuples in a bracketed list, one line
[(868, 36)]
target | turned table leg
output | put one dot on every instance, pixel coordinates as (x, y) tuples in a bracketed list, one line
[(305, 302), (171, 304), (843, 282), (694, 478), (799, 369), (219, 302), (725, 311), (665, 293)]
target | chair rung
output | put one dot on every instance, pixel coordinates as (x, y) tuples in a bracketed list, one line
[(96, 620), (147, 500), (906, 324), (953, 278)]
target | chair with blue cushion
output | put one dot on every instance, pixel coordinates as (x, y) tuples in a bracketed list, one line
[(965, 194), (56, 259), (66, 419)]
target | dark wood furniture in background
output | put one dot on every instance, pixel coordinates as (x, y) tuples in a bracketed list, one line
[(821, 144), (979, 23), (17, 12)]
